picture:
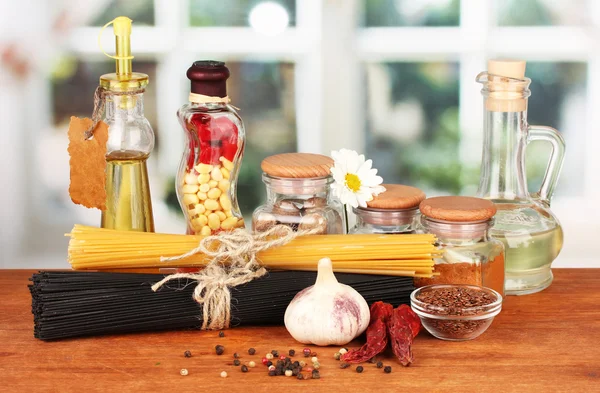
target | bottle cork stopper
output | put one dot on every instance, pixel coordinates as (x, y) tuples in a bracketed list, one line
[(397, 196), (507, 67), (297, 165), (506, 85), (458, 208)]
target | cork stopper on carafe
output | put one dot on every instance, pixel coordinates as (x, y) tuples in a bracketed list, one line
[(508, 68), (506, 85)]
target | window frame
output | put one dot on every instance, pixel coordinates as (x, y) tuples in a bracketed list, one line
[(328, 49)]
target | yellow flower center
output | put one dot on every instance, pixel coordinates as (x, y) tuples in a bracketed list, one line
[(352, 182)]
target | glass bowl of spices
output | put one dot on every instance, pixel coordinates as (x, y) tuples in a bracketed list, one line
[(299, 195), (469, 254), (392, 211), (456, 312)]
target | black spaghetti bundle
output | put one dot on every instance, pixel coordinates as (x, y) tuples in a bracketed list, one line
[(70, 304)]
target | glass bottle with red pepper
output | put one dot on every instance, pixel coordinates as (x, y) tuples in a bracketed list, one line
[(207, 176)]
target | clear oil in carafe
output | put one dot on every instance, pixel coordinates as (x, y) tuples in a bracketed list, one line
[(532, 239), (128, 204)]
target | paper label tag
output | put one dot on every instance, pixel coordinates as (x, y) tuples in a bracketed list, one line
[(87, 163)]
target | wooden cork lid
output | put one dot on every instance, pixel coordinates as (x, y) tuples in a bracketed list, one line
[(509, 68), (458, 208), (297, 165), (397, 196)]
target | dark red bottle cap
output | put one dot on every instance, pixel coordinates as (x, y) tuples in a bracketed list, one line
[(209, 78)]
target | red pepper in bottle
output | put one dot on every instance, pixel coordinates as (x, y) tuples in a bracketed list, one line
[(377, 336)]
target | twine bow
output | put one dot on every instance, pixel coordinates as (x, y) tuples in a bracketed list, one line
[(233, 262)]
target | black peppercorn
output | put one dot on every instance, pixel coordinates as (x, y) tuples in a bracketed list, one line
[(187, 354), (379, 364), (236, 362), (221, 334), (387, 369), (315, 374), (291, 352), (219, 349), (296, 364), (269, 363), (300, 376), (236, 355), (275, 353), (272, 373), (295, 371), (359, 369), (244, 368), (251, 351)]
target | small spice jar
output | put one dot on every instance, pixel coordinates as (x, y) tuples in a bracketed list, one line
[(299, 194), (470, 255), (392, 211)]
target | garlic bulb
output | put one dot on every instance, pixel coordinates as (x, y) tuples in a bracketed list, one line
[(327, 313)]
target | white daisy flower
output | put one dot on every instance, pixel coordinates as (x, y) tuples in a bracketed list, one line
[(355, 181)]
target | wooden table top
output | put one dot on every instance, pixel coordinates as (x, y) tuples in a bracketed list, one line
[(543, 342)]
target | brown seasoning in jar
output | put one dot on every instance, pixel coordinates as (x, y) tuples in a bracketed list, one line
[(450, 217)]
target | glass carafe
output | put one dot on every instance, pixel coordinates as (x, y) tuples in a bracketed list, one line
[(531, 234)]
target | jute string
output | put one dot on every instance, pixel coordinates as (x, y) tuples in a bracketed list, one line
[(233, 262), (99, 103)]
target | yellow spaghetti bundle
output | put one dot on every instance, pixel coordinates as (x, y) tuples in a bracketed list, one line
[(397, 255)]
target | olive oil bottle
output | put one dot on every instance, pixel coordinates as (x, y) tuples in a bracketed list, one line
[(127, 193), (130, 140)]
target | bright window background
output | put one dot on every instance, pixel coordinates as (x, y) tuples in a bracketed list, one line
[(392, 78)]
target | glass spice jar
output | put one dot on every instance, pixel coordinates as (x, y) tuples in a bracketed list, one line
[(470, 255), (299, 194), (393, 211), (207, 176)]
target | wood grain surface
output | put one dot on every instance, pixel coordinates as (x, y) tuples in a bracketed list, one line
[(547, 342)]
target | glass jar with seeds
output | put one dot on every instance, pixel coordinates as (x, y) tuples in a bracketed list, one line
[(393, 211), (299, 195)]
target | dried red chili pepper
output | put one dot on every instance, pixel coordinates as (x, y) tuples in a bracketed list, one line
[(401, 336), (377, 336), (410, 317)]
